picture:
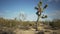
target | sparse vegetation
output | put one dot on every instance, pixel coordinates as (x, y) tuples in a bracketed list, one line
[(14, 23), (8, 24)]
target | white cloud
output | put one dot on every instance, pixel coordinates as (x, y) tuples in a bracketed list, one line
[(22, 12), (31, 17)]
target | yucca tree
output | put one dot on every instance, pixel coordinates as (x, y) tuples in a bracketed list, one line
[(39, 12)]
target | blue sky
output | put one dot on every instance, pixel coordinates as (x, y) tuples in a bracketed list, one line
[(12, 8)]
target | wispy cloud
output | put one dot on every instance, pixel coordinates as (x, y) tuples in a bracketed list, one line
[(53, 0), (55, 14), (49, 0), (57, 0)]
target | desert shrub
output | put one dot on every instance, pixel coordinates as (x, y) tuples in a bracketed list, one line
[(8, 22), (55, 23), (7, 31)]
